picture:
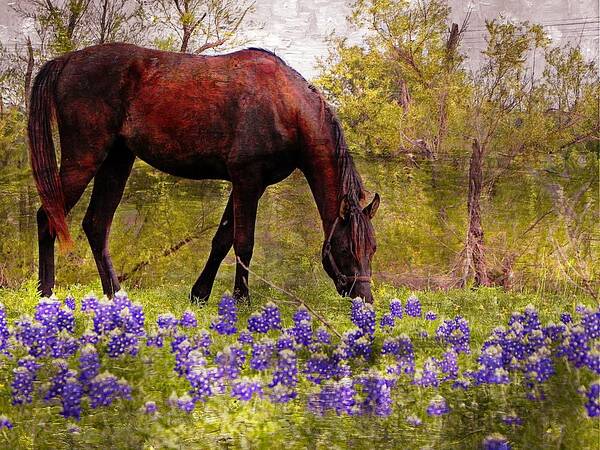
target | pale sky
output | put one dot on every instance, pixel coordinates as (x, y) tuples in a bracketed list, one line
[(296, 29)]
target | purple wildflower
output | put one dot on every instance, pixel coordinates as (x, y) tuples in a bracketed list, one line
[(22, 386), (245, 388), (167, 322), (396, 308), (227, 316), (430, 315), (593, 404), (414, 421), (496, 442), (5, 423), (71, 398), (106, 388), (438, 406), (70, 302), (413, 306), (188, 319), (149, 408)]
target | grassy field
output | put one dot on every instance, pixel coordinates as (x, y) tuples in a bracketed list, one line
[(559, 421)]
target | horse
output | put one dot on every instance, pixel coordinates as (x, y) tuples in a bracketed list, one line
[(245, 117)]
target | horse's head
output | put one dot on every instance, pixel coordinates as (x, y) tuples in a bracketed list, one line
[(349, 249)]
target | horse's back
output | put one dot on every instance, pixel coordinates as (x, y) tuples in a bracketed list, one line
[(185, 114)]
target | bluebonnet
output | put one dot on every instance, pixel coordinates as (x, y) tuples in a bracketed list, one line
[(593, 400), (231, 360), (257, 323), (377, 390), (430, 315), (302, 332), (448, 365), (30, 363), (70, 302), (188, 319), (320, 367), (89, 303), (456, 333), (386, 321), (57, 383), (154, 339), (4, 333), (226, 324), (496, 442), (182, 352), (150, 408), (339, 396), (285, 377), (286, 340), (63, 345), (272, 316), (590, 321), (186, 403), (105, 388), (167, 321), (5, 423), (512, 419), (362, 315), (413, 306), (245, 337), (204, 382), (323, 336), (243, 389), (262, 354), (89, 364), (566, 318), (72, 393), (414, 421), (22, 386), (89, 337), (405, 356), (438, 406), (121, 343), (428, 376), (301, 314), (396, 308)]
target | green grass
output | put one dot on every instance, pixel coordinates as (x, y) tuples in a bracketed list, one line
[(558, 422)]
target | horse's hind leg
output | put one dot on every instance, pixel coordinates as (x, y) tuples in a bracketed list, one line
[(74, 177), (221, 244), (109, 184)]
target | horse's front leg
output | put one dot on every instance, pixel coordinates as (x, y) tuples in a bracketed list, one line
[(245, 205), (221, 244)]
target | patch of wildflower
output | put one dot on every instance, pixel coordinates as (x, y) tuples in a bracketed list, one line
[(244, 388), (413, 306), (593, 400), (456, 333), (5, 423), (105, 388), (495, 442), (226, 324), (438, 406)]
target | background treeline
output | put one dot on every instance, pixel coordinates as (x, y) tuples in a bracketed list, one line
[(488, 171)]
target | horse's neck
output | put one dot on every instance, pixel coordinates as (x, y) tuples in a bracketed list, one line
[(320, 170)]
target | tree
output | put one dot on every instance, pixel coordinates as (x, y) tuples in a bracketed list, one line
[(195, 26)]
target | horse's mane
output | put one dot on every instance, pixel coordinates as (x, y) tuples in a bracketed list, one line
[(351, 188)]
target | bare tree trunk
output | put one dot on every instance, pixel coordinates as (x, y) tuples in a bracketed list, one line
[(475, 252), (28, 72), (187, 34), (403, 94)]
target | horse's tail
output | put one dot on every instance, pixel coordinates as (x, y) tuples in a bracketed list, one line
[(41, 149)]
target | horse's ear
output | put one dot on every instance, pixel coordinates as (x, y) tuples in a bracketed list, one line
[(344, 208), (372, 207)]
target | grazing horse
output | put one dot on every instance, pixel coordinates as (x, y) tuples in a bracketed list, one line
[(245, 117)]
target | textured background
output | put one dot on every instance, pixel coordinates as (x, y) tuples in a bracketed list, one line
[(296, 29)]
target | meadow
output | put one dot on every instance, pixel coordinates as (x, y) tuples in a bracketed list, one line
[(392, 403)]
